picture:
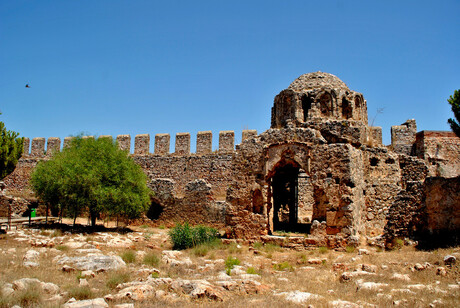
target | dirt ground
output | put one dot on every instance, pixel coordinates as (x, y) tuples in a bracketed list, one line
[(219, 274)]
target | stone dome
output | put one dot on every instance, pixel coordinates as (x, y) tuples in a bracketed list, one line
[(317, 80)]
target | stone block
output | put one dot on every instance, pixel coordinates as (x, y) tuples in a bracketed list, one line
[(53, 146), (124, 142), (162, 144), (67, 141), (38, 147), (248, 133), (204, 142), (142, 144), (182, 144), (26, 147), (226, 141)]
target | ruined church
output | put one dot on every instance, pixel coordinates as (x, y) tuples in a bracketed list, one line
[(320, 174)]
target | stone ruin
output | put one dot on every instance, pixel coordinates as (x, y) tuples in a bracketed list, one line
[(320, 170)]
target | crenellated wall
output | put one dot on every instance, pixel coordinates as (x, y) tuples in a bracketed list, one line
[(142, 144)]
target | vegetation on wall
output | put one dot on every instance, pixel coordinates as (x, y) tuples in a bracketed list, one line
[(11, 148), (92, 175), (454, 101)]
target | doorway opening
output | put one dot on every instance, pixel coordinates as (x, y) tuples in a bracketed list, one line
[(285, 190)]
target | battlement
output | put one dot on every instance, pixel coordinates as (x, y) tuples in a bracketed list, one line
[(142, 144)]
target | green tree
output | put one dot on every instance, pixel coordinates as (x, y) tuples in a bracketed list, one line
[(454, 102), (92, 175), (11, 148)]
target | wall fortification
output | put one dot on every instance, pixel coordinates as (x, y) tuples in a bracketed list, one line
[(142, 144)]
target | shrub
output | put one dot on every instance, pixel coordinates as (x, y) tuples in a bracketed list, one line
[(230, 264), (283, 266), (81, 293), (129, 256), (116, 278), (62, 247), (252, 270), (350, 249), (30, 297), (151, 259), (184, 236)]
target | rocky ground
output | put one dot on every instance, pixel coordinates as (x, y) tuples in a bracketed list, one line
[(52, 268)]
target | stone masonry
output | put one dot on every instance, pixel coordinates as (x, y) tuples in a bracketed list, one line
[(320, 170)]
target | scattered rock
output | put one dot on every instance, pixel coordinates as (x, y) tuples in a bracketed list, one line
[(97, 263), (401, 277), (441, 271), (371, 285), (363, 252), (450, 260), (299, 297), (89, 303), (343, 304)]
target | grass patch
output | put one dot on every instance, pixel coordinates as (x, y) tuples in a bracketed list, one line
[(350, 249), (323, 249), (62, 247), (116, 278), (230, 264), (184, 236), (129, 256), (81, 292), (32, 296), (56, 233), (283, 266), (257, 245), (251, 270), (151, 259), (155, 275)]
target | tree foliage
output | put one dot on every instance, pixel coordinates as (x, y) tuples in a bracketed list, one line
[(454, 102), (92, 175), (11, 148)]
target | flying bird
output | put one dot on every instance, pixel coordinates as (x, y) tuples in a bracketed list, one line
[(27, 85)]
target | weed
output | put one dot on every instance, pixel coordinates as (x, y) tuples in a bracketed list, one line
[(81, 292), (155, 275), (283, 266), (62, 247), (116, 278), (234, 248), (129, 256), (151, 259), (144, 226), (350, 249), (252, 270), (184, 236), (230, 264), (148, 235), (303, 259), (29, 297), (323, 249), (162, 227), (257, 245), (56, 233), (270, 248)]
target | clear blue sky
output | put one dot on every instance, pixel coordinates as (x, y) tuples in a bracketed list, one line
[(135, 67)]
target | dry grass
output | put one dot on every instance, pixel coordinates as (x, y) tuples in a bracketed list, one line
[(280, 269)]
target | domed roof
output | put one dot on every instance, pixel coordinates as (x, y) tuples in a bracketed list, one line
[(317, 80)]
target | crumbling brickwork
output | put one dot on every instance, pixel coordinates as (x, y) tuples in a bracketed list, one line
[(320, 170)]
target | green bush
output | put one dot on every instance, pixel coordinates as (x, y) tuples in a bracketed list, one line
[(184, 236), (151, 259), (129, 256), (283, 266), (116, 278), (230, 264), (80, 293), (32, 296)]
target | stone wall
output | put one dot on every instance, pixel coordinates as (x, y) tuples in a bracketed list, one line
[(403, 137), (441, 151)]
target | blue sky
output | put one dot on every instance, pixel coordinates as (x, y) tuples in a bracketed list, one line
[(136, 67)]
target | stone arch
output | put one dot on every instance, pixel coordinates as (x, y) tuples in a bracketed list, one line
[(358, 107), (306, 106), (325, 104), (257, 201), (347, 109)]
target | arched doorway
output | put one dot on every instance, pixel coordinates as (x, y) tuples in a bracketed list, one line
[(285, 194)]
